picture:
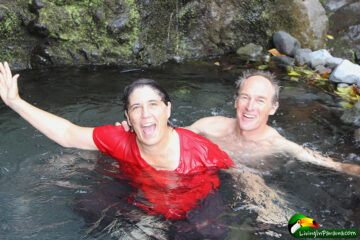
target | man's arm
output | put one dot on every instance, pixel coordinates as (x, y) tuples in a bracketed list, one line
[(57, 129), (214, 126), (307, 155)]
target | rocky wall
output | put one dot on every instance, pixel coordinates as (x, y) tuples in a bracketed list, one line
[(44, 33)]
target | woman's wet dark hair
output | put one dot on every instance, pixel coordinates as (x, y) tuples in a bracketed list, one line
[(144, 82)]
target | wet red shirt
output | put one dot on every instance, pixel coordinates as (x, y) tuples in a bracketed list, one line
[(170, 193)]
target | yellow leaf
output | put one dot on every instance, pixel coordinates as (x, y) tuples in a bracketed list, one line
[(294, 74), (344, 89), (345, 105), (294, 79), (308, 72), (217, 63), (325, 75), (275, 52), (330, 37)]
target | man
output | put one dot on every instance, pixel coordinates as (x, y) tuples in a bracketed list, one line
[(248, 136)]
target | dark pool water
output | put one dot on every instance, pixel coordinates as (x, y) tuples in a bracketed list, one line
[(48, 192)]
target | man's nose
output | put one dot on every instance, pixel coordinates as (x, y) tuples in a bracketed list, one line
[(250, 104)]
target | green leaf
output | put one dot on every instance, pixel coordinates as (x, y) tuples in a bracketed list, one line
[(345, 105), (294, 74), (262, 67)]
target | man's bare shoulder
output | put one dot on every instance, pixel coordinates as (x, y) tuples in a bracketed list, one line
[(272, 133), (215, 125)]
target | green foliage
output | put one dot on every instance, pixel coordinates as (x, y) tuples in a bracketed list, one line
[(11, 24)]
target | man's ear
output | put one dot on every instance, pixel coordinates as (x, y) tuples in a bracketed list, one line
[(274, 107), (168, 109), (127, 118)]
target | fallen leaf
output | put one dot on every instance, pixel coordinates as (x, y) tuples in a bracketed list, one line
[(330, 37), (262, 67), (346, 104), (294, 74), (217, 63), (275, 52), (325, 75)]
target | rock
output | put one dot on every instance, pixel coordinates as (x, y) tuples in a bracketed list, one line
[(322, 58), (285, 43), (305, 20), (250, 52), (117, 25), (318, 22), (37, 4), (302, 56), (352, 115), (283, 60), (342, 85), (319, 58), (333, 5), (41, 29), (345, 28), (346, 72), (137, 48), (3, 14), (165, 29), (41, 56), (333, 62), (324, 70), (357, 134)]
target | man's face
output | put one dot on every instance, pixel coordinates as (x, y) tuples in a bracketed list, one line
[(254, 104), (148, 115)]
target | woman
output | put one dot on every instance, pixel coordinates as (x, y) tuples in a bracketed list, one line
[(171, 168)]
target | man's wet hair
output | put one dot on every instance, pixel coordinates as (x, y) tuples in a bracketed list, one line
[(269, 76), (144, 82)]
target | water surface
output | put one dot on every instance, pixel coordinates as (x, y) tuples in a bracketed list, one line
[(49, 192)]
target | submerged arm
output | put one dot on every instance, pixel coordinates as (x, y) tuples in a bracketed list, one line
[(307, 155), (57, 129)]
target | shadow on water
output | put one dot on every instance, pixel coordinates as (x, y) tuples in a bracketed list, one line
[(47, 192)]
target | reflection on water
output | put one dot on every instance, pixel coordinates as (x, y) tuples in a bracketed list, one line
[(48, 192)]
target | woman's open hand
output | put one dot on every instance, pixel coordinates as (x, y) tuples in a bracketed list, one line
[(8, 84)]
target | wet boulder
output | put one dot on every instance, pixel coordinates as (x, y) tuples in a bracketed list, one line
[(357, 134), (346, 72), (251, 51), (283, 61), (149, 33), (302, 56), (345, 27), (286, 43), (323, 58), (305, 20), (352, 115)]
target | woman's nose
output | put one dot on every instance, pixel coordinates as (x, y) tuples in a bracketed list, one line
[(145, 112)]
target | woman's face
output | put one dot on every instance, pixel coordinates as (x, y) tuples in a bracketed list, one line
[(148, 115)]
